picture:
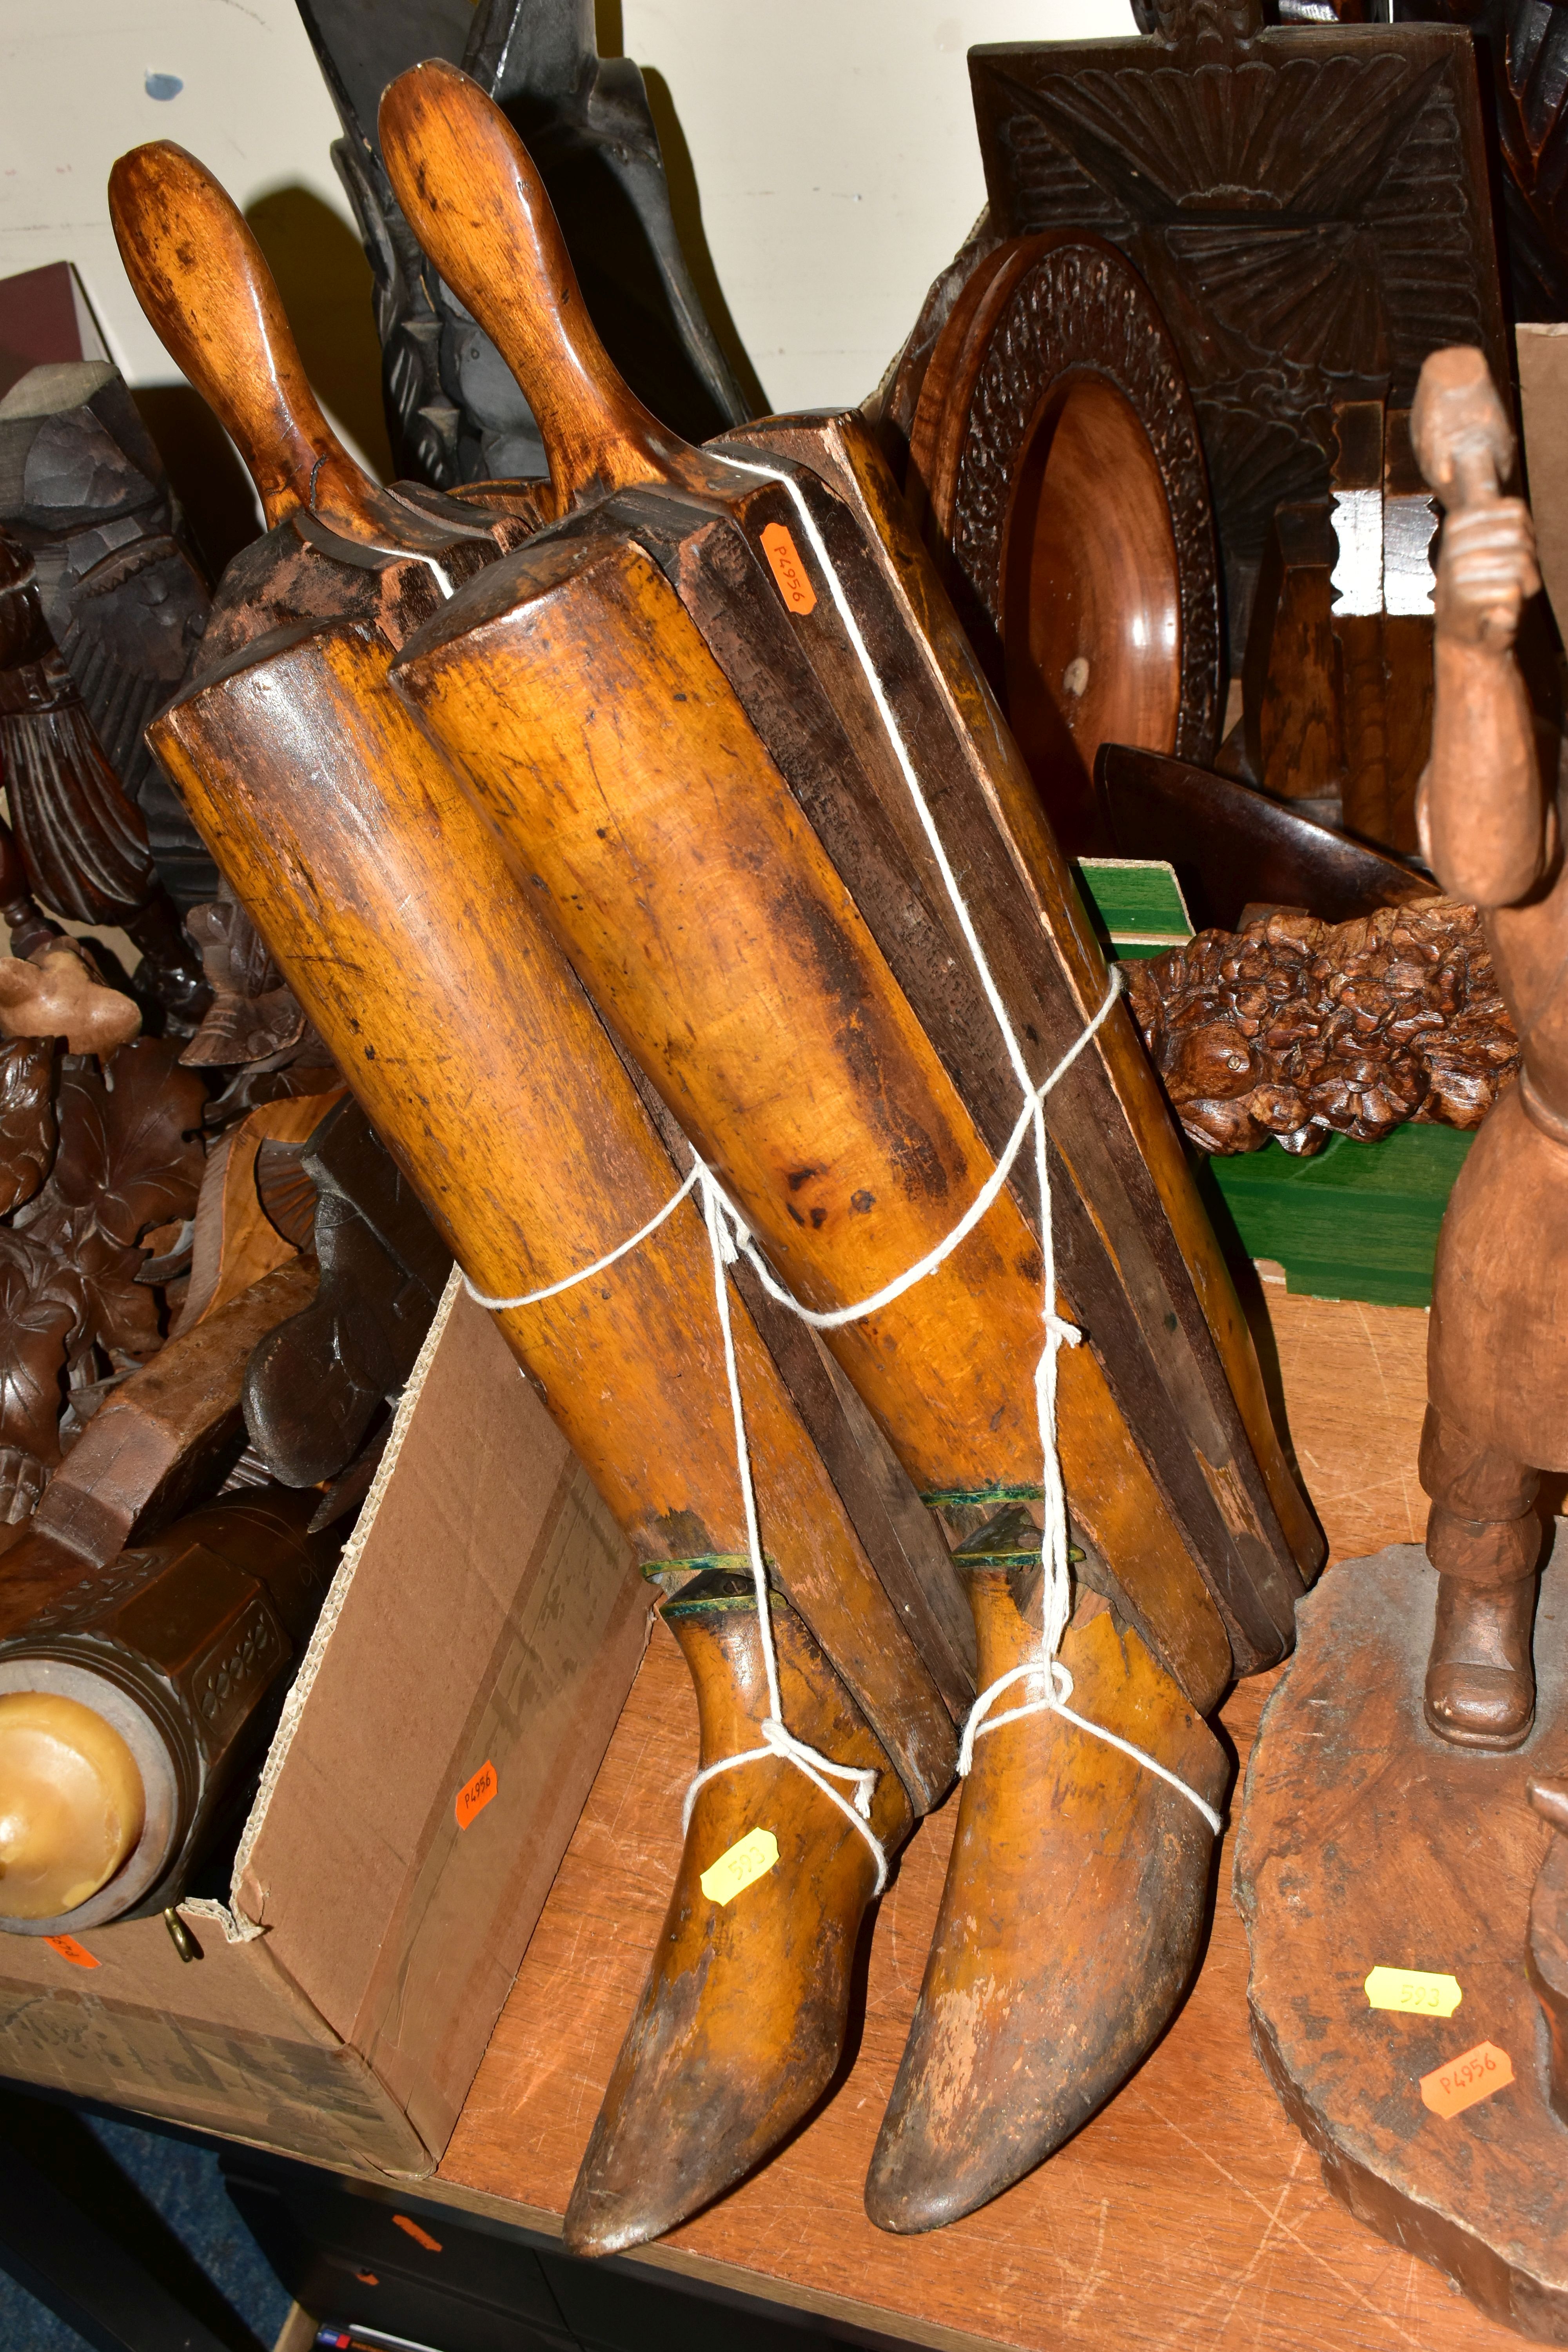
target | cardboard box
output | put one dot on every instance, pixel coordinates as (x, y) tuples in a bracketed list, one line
[(478, 1643)]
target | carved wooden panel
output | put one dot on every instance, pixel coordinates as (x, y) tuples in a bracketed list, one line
[(1309, 208)]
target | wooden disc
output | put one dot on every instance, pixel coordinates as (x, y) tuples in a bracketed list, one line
[(1055, 459), (1366, 1842)]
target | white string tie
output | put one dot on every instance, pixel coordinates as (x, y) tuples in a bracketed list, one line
[(726, 1236), (730, 1239), (600, 1265), (1055, 1701)]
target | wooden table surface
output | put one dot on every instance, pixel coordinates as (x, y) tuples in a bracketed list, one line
[(1189, 2213)]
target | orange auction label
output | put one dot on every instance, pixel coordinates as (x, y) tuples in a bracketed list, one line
[(70, 1949), (1449, 2090), (476, 1794), (420, 2237), (795, 585)]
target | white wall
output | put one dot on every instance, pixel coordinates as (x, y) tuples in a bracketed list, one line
[(833, 144)]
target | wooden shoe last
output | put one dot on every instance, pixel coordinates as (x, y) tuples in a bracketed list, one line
[(1069, 1926), (742, 2021)]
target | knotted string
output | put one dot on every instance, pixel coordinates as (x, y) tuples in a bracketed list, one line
[(729, 1238)]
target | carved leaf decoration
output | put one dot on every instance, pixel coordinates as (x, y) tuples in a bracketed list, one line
[(43, 1308), (84, 844), (287, 1190), (27, 1129), (130, 1159), (134, 620), (130, 1145)]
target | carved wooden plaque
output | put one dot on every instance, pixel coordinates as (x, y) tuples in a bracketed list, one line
[(1307, 206)]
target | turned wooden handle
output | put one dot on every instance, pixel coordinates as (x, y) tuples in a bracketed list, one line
[(478, 206), (201, 278)]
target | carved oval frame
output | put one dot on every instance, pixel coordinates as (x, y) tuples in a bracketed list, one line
[(1041, 309)]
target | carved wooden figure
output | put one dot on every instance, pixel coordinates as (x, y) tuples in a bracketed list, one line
[(454, 410), (687, 603), (83, 842), (475, 1053), (83, 489), (1498, 1352)]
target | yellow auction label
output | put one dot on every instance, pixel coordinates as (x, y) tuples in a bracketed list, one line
[(1414, 1990), (748, 1859)]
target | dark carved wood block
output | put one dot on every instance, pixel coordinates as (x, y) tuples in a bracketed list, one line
[(1309, 207)]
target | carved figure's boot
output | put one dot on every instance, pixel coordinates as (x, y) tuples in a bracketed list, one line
[(1070, 1925), (742, 2023), (1480, 1676), (1484, 1539)]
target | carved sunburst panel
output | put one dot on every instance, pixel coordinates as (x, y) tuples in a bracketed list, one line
[(1310, 215)]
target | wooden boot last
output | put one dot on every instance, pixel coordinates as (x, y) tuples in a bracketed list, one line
[(1069, 1924), (742, 2023)]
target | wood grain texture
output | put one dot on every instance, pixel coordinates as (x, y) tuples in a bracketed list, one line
[(478, 208), (433, 960), (1368, 1840), (178, 233), (1354, 1380), (849, 1153), (1188, 2213), (1109, 1118), (1056, 463)]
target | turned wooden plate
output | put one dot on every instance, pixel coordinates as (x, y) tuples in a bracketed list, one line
[(1056, 465)]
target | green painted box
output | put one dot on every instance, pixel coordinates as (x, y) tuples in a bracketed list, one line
[(1357, 1220)]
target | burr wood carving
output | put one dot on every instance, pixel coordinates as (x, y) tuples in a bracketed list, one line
[(1299, 1029)]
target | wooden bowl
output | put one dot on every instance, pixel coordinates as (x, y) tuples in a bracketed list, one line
[(1056, 466)]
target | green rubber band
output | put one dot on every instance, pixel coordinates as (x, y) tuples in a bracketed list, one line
[(736, 1564), (950, 1498), (962, 1559)]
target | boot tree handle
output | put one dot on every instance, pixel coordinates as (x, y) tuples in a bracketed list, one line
[(200, 276), (477, 205)]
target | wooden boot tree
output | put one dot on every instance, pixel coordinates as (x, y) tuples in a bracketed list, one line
[(387, 905), (1005, 2061), (661, 708), (680, 2120)]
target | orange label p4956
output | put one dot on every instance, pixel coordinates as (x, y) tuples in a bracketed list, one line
[(476, 1794), (795, 583), (1475, 2075)]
